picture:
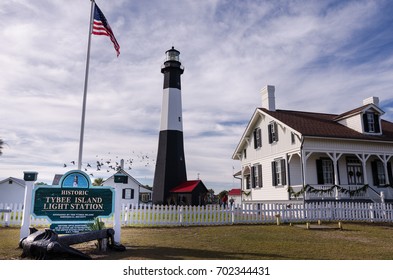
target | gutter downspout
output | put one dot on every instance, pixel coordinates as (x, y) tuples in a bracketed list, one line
[(302, 166)]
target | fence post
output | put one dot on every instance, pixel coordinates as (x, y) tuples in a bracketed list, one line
[(232, 214), (382, 197), (125, 213), (181, 215), (371, 213), (7, 217)]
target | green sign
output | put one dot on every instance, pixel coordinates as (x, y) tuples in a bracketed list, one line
[(73, 201), (77, 204)]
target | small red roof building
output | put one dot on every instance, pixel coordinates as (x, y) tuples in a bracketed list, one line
[(233, 192), (186, 187), (189, 193)]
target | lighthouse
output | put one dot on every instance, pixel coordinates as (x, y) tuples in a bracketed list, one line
[(170, 165)]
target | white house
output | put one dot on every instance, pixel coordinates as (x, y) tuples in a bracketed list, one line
[(132, 191), (294, 155), (12, 190), (235, 196)]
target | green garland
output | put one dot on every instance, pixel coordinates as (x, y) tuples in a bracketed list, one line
[(311, 189), (246, 193)]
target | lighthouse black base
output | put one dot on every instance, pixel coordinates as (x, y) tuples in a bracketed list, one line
[(170, 166)]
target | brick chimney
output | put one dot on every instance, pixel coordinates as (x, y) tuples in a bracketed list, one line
[(268, 99)]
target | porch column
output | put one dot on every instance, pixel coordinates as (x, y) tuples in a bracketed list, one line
[(363, 158), (242, 180), (335, 157), (304, 156)]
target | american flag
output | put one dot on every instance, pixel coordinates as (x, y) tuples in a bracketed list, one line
[(101, 27)]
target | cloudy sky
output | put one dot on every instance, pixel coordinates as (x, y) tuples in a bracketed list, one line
[(322, 56)]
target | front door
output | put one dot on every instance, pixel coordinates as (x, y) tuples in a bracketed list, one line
[(355, 171)]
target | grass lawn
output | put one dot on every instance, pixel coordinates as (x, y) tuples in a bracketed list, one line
[(272, 242)]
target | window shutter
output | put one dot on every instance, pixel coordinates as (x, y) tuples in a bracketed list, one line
[(253, 177), (255, 139), (283, 172), (132, 193), (123, 195), (319, 172), (376, 123), (275, 132), (274, 178), (260, 176), (365, 123), (269, 128), (374, 170)]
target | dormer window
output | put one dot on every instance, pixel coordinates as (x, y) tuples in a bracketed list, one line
[(371, 122)]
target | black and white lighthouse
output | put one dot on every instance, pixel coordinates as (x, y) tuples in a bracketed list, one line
[(170, 165)]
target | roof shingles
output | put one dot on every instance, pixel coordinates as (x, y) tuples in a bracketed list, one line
[(324, 125)]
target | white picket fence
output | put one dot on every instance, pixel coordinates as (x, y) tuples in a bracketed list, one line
[(160, 215)]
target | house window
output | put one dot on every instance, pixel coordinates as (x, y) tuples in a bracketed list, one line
[(273, 132), (144, 197), (247, 182), (128, 193), (371, 122), (256, 176), (279, 173), (378, 170), (247, 178), (355, 171), (325, 171), (257, 138)]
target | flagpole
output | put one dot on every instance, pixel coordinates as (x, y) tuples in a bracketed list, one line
[(85, 89)]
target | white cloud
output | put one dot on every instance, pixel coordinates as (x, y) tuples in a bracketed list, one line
[(230, 49)]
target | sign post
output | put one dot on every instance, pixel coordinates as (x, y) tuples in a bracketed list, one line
[(30, 178)]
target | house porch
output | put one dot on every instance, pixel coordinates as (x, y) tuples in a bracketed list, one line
[(331, 175)]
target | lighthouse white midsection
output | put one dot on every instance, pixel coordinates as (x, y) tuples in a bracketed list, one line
[(171, 114)]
